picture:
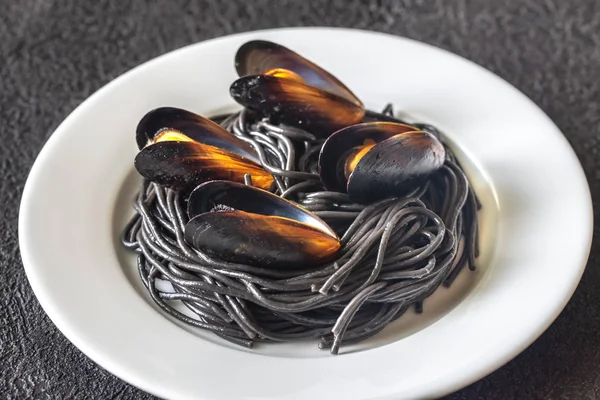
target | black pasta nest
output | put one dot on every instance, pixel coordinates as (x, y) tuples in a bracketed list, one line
[(394, 252)]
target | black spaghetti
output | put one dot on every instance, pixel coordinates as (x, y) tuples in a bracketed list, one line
[(394, 252)]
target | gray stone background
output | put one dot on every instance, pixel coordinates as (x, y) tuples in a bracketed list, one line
[(54, 54)]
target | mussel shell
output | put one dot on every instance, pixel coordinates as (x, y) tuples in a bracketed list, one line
[(259, 56), (391, 167), (192, 125), (337, 146), (252, 226), (295, 103), (184, 165)]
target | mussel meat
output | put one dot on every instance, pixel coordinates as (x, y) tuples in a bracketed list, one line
[(278, 82), (243, 224), (371, 161), (180, 149)]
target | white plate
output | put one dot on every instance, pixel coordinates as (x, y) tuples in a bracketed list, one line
[(536, 229)]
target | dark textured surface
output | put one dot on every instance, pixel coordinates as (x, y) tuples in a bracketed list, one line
[(54, 54)]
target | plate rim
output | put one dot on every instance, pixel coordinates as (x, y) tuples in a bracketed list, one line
[(113, 366)]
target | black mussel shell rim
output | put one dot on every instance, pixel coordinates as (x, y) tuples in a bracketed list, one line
[(259, 56)]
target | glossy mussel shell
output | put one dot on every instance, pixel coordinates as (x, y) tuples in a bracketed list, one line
[(181, 150), (243, 224), (258, 57), (296, 103), (376, 160), (163, 124), (184, 165)]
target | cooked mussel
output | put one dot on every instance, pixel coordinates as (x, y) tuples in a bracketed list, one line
[(243, 224), (259, 57), (176, 124), (375, 160), (181, 150), (280, 83)]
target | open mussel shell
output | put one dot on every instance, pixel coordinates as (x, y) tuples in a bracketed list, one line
[(176, 124), (258, 57), (375, 160), (243, 224), (296, 103), (342, 144), (186, 164)]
